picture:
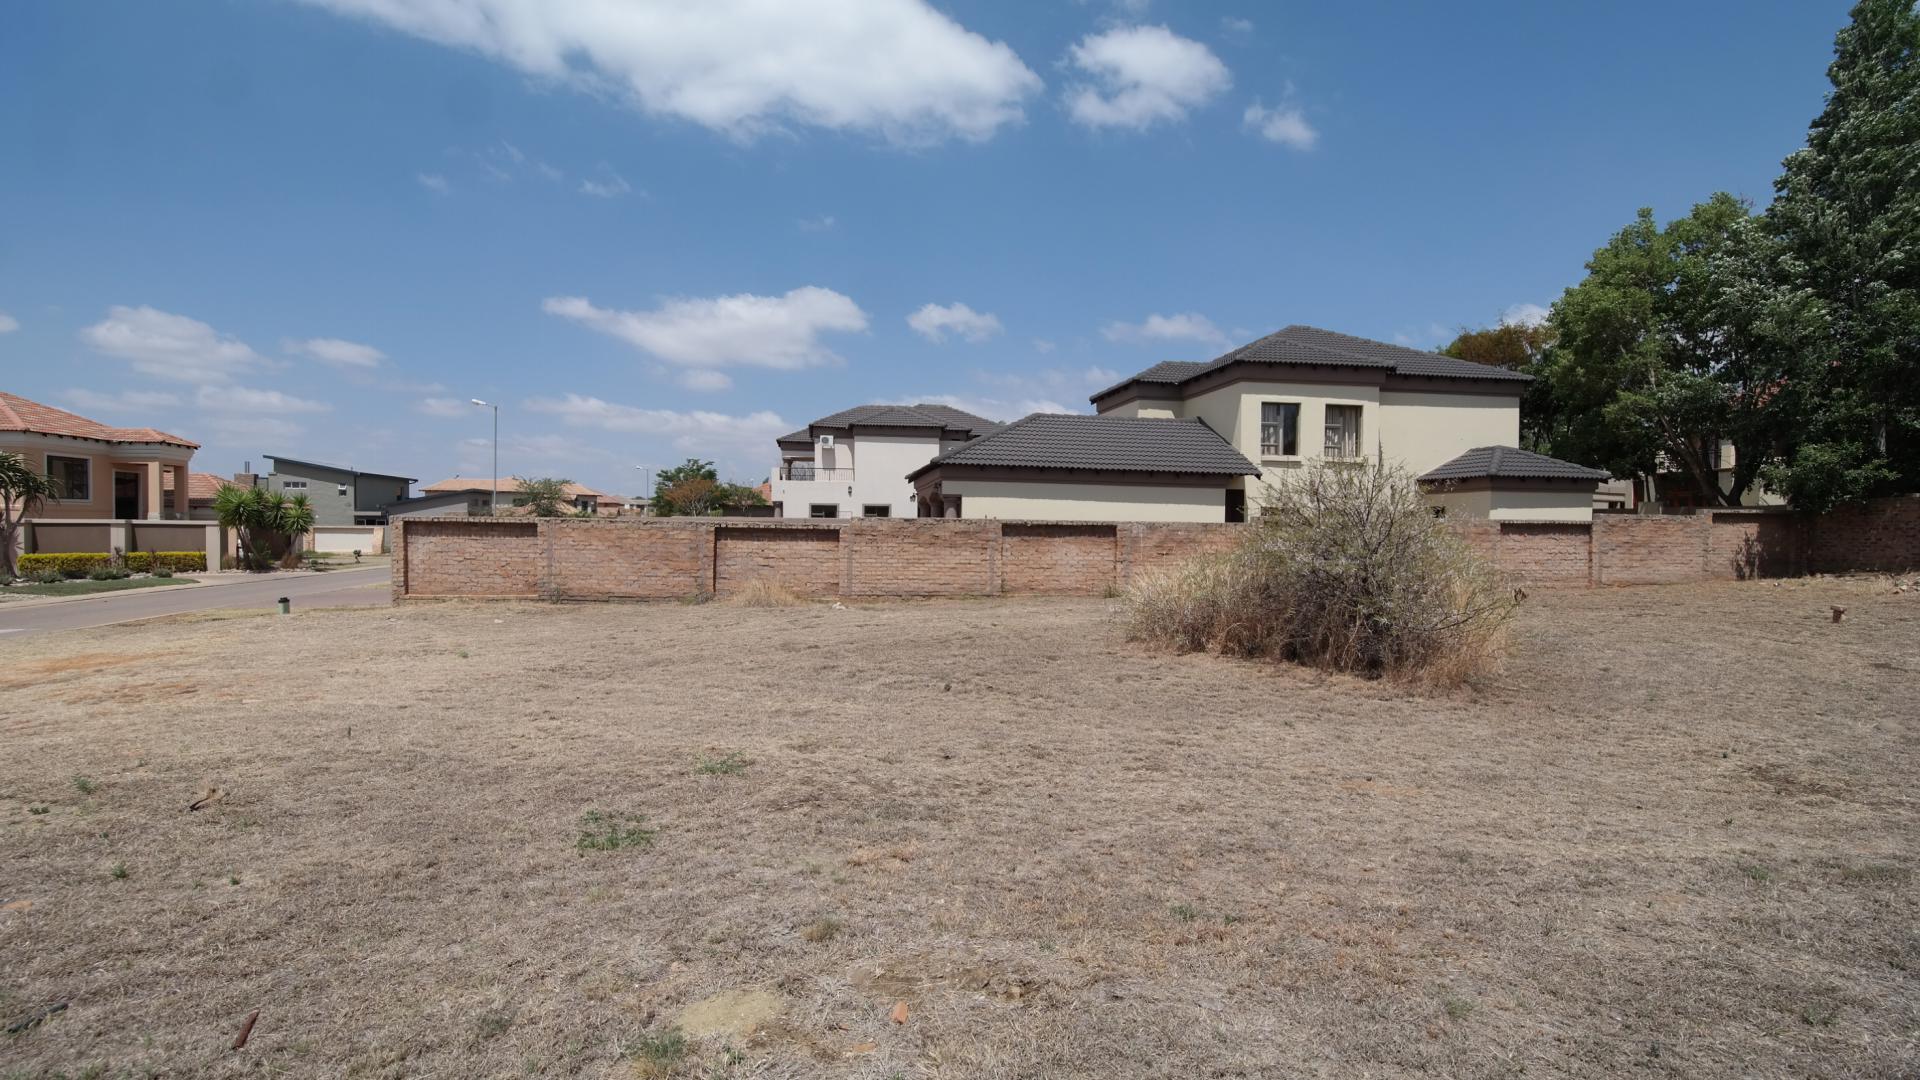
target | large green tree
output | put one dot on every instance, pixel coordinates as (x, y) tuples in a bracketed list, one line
[(1848, 208), (1677, 338), (693, 489)]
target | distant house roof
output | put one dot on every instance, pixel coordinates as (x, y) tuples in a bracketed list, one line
[(1509, 463), (508, 486), (276, 459), (201, 486), (1313, 347), (20, 414), (945, 417), (1102, 444)]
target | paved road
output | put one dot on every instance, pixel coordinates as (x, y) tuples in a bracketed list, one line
[(364, 587)]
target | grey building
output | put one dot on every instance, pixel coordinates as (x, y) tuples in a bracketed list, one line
[(442, 504), (340, 494)]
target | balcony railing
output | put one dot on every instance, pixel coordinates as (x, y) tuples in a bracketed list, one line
[(803, 470)]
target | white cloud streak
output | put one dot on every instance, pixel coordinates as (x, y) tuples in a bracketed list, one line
[(170, 346), (1141, 76), (934, 322), (125, 401), (1525, 315), (698, 431), (8, 324), (242, 399), (433, 182), (705, 335), (338, 353), (899, 69), (1283, 124), (1187, 326)]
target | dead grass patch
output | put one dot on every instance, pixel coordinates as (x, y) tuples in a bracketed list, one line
[(1070, 856), (763, 593)]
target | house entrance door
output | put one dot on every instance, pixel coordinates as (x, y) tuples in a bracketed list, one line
[(126, 494)]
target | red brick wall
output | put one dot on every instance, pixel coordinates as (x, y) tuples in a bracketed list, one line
[(804, 560), (564, 558), (1882, 535), (1070, 560), (1638, 550), (922, 558), (453, 557), (593, 562), (1746, 545)]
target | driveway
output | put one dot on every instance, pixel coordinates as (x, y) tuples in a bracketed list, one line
[(363, 587)]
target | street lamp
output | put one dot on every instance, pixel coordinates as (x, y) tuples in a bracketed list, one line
[(646, 473), (493, 501)]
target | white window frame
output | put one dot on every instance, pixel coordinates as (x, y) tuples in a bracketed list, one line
[(886, 510), (1281, 454), (1359, 413), (293, 485), (47, 466)]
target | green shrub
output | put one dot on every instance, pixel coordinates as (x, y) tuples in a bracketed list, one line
[(1345, 569), (109, 573), (75, 564)]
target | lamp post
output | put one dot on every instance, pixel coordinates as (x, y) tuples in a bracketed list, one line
[(646, 474), (493, 501)]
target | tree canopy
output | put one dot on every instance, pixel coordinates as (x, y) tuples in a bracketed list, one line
[(693, 489), (543, 494)]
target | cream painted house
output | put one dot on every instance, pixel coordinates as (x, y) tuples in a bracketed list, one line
[(854, 463), (1275, 404), (101, 472)]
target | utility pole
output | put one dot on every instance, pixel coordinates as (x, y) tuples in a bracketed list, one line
[(493, 501)]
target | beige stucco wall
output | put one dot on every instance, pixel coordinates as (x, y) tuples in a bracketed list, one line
[(1008, 499), (1234, 412), (1560, 504), (103, 460), (1421, 431)]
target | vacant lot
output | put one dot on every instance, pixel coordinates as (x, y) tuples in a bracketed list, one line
[(1677, 837)]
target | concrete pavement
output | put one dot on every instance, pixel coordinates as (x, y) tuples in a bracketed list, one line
[(358, 587)]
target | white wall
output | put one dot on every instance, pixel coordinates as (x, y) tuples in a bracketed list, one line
[(866, 469), (1549, 504), (1422, 431), (1015, 499)]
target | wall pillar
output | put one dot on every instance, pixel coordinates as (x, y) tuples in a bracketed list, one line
[(216, 542), (181, 497), (119, 536), (156, 497)]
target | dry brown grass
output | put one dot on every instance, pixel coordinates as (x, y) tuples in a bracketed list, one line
[(762, 593), (1675, 837)]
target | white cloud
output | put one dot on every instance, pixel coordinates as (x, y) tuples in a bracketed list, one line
[(698, 431), (935, 322), (433, 182), (993, 408), (1043, 346), (445, 408), (1284, 124), (8, 324), (1187, 326), (606, 184), (242, 399), (235, 428), (1142, 75), (1236, 27), (816, 224), (170, 346), (1051, 382), (706, 334), (126, 401), (900, 69), (1525, 315), (346, 354), (705, 379)]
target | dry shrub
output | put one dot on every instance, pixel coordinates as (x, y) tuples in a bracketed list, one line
[(1346, 569), (763, 593)]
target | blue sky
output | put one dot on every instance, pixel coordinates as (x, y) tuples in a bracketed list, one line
[(319, 228)]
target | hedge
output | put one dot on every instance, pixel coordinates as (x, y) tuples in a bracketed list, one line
[(79, 563)]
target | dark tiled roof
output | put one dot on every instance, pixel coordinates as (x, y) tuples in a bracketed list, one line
[(801, 436), (936, 416), (1105, 443), (1311, 345), (1510, 463)]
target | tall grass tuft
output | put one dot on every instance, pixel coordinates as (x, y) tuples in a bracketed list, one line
[(1344, 569), (761, 592)]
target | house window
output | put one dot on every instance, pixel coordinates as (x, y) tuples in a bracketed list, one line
[(293, 485), (1343, 431), (343, 490), (1279, 428), (71, 476), (879, 510), (823, 510)]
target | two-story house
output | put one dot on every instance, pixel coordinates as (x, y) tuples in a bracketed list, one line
[(339, 494), (1204, 440), (855, 462)]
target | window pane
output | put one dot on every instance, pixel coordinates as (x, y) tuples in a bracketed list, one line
[(1279, 428), (69, 476), (1343, 431)]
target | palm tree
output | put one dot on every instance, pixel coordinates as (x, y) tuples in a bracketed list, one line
[(268, 524), (21, 492)]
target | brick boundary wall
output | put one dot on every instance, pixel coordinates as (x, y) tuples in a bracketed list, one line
[(677, 558)]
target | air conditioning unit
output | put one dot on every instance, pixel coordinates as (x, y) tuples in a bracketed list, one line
[(826, 440)]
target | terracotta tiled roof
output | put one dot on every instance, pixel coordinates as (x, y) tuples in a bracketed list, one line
[(19, 414), (201, 486), (508, 486)]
